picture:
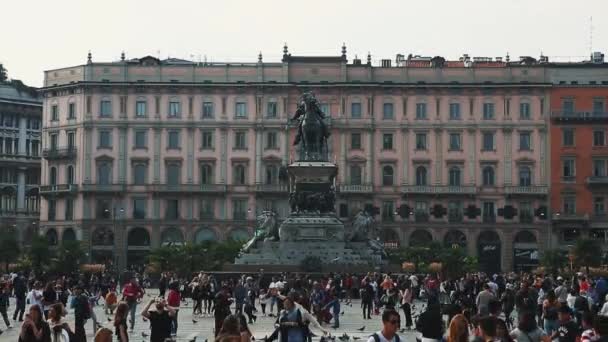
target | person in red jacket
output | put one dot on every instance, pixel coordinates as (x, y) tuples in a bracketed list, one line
[(131, 294), (173, 301)]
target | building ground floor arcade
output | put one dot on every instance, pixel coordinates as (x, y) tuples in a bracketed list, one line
[(126, 243)]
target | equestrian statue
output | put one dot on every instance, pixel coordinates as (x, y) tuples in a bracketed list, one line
[(312, 131)]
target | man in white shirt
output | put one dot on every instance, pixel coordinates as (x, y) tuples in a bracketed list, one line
[(35, 295), (272, 293), (390, 325)]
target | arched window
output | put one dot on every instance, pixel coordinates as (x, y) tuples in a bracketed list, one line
[(138, 237), (387, 175), (525, 176), (272, 174), (488, 176), (53, 176), (355, 175), (206, 174), (239, 175), (102, 236), (104, 173), (51, 237), (455, 176), (70, 174), (69, 235), (172, 236), (421, 175), (205, 234), (420, 238)]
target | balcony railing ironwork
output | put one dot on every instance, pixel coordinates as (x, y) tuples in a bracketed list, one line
[(597, 180), (355, 188), (58, 189), (59, 153), (103, 187), (439, 189), (172, 188), (526, 190), (271, 188), (567, 115)]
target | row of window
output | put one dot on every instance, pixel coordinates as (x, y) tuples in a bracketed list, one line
[(568, 203), (599, 168), (455, 143), (105, 211), (598, 106), (455, 211), (569, 137), (454, 113), (174, 139), (455, 178), (12, 121), (8, 175), (10, 146), (174, 108)]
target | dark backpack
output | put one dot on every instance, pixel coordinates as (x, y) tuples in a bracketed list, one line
[(377, 338)]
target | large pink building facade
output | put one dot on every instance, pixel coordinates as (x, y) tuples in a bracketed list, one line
[(147, 152)]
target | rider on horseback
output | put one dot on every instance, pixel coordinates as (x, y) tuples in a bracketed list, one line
[(309, 99)]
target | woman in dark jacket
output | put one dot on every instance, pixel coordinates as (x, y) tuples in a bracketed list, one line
[(430, 322), (35, 329)]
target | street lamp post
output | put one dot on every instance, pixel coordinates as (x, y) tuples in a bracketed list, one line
[(115, 256)]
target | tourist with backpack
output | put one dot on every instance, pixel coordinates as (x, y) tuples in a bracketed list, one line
[(82, 312), (391, 322)]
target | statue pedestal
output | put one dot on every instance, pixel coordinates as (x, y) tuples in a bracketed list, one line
[(308, 227), (292, 253)]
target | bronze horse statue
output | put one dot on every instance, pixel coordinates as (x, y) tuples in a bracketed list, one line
[(312, 132)]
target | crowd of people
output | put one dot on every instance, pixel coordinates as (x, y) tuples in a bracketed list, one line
[(476, 307)]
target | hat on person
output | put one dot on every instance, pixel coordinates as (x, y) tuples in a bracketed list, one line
[(560, 278)]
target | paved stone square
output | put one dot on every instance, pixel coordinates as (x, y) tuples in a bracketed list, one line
[(202, 327)]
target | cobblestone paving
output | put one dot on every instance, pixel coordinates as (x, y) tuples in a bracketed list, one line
[(202, 327)]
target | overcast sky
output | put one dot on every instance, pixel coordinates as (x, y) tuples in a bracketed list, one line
[(39, 35)]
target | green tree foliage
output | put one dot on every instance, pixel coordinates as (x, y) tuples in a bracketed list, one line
[(40, 253), (587, 253), (553, 260), (9, 248), (454, 261), (189, 258), (68, 257)]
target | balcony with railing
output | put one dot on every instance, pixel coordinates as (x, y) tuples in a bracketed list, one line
[(439, 189), (271, 188), (534, 190), (597, 180), (58, 189), (355, 188), (176, 188), (579, 116), (59, 153), (103, 188), (570, 217)]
